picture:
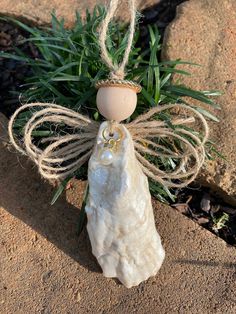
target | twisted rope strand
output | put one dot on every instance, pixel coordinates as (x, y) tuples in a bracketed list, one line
[(147, 143), (63, 154), (145, 117), (117, 71)]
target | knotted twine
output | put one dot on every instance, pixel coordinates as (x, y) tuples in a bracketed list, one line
[(117, 70), (61, 155)]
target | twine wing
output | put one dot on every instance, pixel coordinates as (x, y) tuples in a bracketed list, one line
[(186, 154), (59, 155)]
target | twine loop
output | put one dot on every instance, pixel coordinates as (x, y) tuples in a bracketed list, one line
[(117, 70)]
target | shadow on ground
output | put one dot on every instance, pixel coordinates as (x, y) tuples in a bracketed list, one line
[(24, 195)]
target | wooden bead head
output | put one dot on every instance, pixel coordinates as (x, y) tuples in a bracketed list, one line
[(117, 99)]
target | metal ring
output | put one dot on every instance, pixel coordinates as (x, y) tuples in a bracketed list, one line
[(119, 132)]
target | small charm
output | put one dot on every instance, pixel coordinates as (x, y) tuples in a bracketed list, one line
[(109, 145)]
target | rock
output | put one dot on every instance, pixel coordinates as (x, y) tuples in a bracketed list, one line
[(203, 220), (198, 275), (204, 32), (40, 11), (120, 216), (205, 203), (78, 297), (46, 275), (196, 260)]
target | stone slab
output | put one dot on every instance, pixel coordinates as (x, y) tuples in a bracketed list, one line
[(40, 11), (46, 268), (204, 32)]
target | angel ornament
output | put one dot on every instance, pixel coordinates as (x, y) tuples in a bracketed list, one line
[(121, 223), (120, 217)]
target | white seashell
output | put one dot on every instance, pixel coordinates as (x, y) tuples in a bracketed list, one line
[(121, 224)]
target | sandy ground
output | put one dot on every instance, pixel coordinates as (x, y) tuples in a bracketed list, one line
[(46, 268)]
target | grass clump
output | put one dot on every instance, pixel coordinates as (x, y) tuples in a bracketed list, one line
[(69, 64)]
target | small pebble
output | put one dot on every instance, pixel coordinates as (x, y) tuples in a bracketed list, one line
[(206, 203), (78, 297), (46, 275), (203, 220)]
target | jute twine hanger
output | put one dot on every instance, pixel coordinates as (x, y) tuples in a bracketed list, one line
[(117, 71), (64, 154)]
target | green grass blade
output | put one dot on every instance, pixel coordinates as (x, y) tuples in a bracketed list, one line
[(82, 214), (178, 62), (60, 190), (165, 79), (184, 91), (27, 28), (57, 47), (207, 114), (148, 97), (213, 93), (173, 70)]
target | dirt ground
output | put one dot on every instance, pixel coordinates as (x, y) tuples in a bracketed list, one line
[(46, 268)]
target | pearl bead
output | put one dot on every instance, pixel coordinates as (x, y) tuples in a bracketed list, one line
[(106, 157)]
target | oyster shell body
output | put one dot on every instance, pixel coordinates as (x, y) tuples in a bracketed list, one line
[(121, 224)]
